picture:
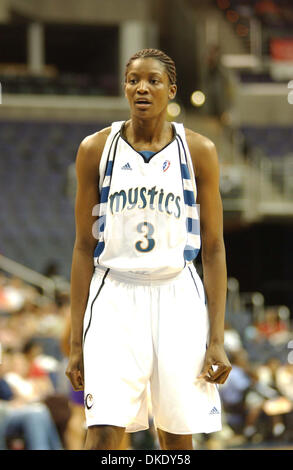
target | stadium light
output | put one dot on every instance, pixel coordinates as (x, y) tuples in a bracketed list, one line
[(174, 109), (198, 98)]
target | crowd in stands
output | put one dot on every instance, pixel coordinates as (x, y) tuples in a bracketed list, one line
[(275, 18), (35, 409), (258, 395), (270, 12), (61, 84), (40, 410)]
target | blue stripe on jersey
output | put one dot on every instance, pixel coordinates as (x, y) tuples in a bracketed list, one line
[(185, 171), (190, 253), (192, 246), (189, 198), (101, 223), (99, 248), (193, 225), (105, 194), (109, 168)]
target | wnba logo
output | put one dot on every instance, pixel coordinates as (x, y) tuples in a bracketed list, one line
[(166, 165)]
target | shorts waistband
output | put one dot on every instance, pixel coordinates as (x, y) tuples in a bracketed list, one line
[(134, 278)]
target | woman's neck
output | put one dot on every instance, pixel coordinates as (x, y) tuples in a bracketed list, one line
[(148, 133)]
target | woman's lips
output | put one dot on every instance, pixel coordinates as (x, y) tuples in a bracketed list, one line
[(142, 104)]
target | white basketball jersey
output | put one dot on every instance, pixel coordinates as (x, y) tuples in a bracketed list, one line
[(148, 222)]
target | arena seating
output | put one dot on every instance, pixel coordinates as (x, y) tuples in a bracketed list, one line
[(273, 141), (62, 84), (275, 17), (36, 213), (271, 13)]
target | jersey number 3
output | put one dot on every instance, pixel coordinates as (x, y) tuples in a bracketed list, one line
[(148, 243)]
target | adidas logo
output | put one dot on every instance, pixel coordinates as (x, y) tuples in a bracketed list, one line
[(214, 411), (126, 166)]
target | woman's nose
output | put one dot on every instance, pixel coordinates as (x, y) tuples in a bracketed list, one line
[(142, 86)]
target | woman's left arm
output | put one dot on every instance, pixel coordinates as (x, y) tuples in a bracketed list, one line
[(207, 173)]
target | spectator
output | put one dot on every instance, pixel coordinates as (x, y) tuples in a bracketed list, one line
[(232, 340), (32, 350), (268, 408), (76, 429), (272, 325), (284, 380), (269, 12), (217, 85), (29, 389), (234, 390), (30, 421)]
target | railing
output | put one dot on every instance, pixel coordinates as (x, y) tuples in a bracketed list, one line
[(256, 184), (279, 171), (255, 303), (233, 296), (47, 285), (261, 187)]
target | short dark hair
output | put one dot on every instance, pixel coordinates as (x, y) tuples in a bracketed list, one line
[(168, 63), (29, 345)]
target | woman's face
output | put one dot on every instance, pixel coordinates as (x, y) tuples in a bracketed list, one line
[(147, 88)]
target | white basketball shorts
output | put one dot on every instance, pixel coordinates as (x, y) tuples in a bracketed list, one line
[(148, 336)]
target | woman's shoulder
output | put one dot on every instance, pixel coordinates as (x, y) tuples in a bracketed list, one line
[(97, 139), (92, 146), (197, 140), (90, 151), (203, 152)]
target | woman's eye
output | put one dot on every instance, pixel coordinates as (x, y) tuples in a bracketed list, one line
[(132, 81)]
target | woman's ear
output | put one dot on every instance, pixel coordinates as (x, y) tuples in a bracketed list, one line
[(172, 91)]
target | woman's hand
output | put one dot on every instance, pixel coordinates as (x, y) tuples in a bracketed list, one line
[(74, 369), (216, 367)]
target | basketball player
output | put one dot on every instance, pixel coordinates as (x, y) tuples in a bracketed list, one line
[(139, 312)]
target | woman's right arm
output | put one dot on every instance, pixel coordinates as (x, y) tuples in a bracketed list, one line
[(87, 196)]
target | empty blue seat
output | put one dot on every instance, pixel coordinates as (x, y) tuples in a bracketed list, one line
[(274, 141), (37, 220)]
